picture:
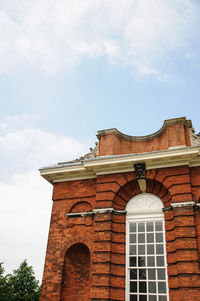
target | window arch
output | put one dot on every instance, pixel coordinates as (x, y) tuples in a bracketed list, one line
[(146, 268)]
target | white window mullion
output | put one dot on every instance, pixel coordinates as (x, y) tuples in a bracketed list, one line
[(149, 243)]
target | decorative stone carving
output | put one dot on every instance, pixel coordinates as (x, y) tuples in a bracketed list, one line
[(140, 170), (195, 138), (92, 154)]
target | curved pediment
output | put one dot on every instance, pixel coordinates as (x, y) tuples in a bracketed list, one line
[(173, 133)]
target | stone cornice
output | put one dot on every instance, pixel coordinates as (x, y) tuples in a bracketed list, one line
[(191, 204), (182, 204), (95, 211), (91, 168), (166, 123)]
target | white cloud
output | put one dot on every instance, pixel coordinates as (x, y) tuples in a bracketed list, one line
[(23, 147), (53, 36), (25, 196), (8, 122), (25, 211), (33, 147)]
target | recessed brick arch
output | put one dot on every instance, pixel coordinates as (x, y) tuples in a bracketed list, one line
[(81, 207), (159, 190), (131, 189), (125, 193), (76, 240), (76, 282)]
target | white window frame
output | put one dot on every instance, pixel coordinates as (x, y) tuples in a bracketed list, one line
[(144, 207)]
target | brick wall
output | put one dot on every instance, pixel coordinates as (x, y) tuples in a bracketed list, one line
[(76, 281), (104, 234), (85, 258), (173, 133)]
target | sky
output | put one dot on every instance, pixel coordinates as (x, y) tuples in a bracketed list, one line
[(71, 68)]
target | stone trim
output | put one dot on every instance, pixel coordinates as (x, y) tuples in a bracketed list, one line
[(182, 204), (197, 206), (95, 211), (77, 214), (91, 168)]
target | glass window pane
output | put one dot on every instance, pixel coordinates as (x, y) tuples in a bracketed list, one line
[(152, 298), (158, 226), (161, 274), (133, 298), (147, 261), (162, 298), (160, 261), (151, 274), (162, 287), (141, 249), (150, 261), (142, 287), (141, 238), (141, 261), (142, 273), (133, 227), (132, 238), (150, 237), (151, 287), (142, 298), (159, 237), (132, 250), (133, 286), (159, 249), (133, 274), (150, 249), (132, 261), (149, 227), (141, 227)]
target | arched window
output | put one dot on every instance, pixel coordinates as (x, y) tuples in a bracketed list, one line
[(146, 268)]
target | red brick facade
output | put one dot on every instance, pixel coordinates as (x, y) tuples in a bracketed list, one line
[(85, 258)]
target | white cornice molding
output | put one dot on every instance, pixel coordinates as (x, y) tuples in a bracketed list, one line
[(182, 153), (195, 163), (91, 168)]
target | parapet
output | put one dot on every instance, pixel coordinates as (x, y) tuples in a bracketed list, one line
[(174, 133)]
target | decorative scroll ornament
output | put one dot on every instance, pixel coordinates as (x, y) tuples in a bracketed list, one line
[(140, 170), (91, 155), (195, 138)]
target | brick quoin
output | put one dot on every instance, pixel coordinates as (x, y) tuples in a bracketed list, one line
[(86, 250)]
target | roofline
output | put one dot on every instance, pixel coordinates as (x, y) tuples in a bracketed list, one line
[(116, 132), (91, 168)]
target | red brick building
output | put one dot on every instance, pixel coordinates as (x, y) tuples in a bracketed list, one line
[(125, 221)]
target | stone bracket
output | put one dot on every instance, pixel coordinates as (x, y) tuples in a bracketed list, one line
[(140, 172)]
